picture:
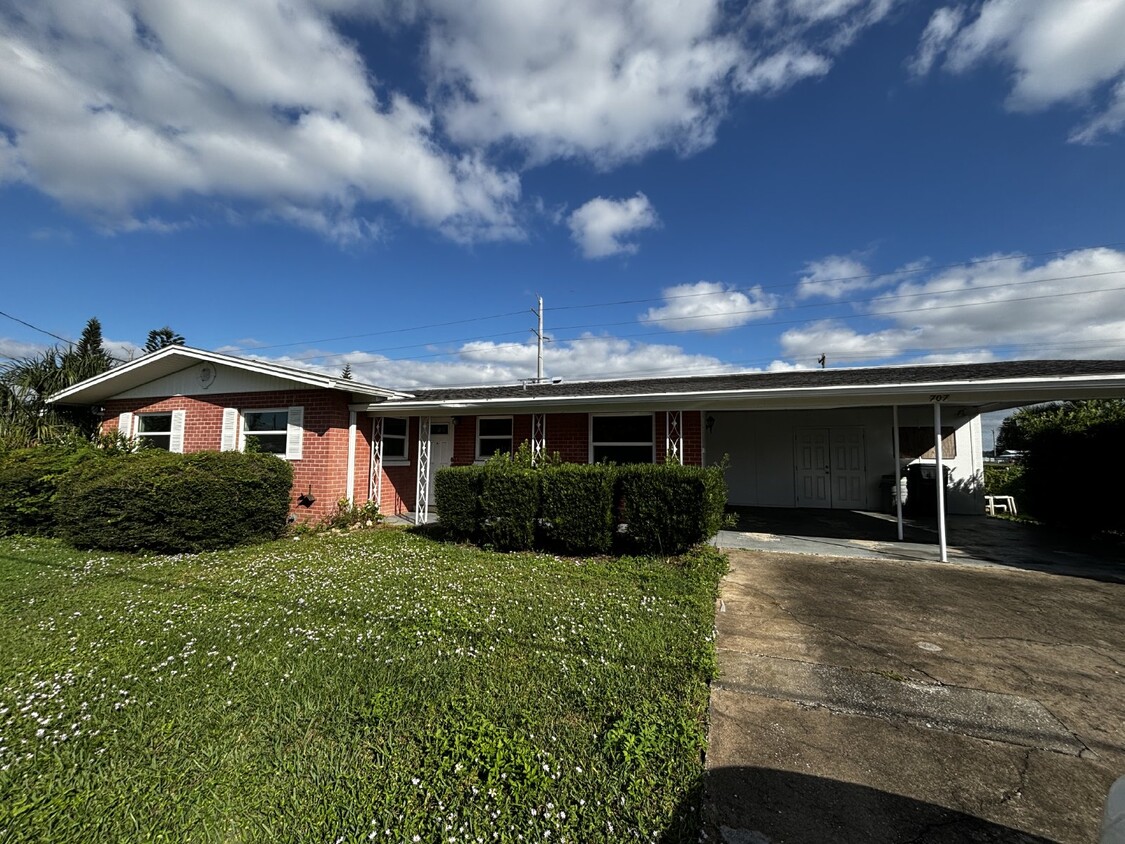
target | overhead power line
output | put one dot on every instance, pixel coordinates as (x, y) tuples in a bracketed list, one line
[(772, 322), (36, 328), (749, 289)]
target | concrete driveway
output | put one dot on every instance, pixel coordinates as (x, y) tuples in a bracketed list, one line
[(887, 701)]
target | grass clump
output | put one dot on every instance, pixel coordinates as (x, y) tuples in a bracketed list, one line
[(366, 686)]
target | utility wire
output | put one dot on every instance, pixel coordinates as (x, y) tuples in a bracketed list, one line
[(392, 331), (36, 328), (750, 289), (893, 274), (772, 322)]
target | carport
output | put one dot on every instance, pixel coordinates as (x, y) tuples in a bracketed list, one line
[(840, 442)]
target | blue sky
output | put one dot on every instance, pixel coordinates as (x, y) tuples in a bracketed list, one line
[(690, 186)]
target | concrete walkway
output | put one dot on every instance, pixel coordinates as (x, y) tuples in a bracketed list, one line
[(869, 700)]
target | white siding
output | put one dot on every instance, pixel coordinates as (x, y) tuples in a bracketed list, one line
[(187, 382), (760, 447)]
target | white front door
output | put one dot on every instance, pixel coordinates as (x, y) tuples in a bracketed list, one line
[(849, 469), (813, 467), (441, 452)]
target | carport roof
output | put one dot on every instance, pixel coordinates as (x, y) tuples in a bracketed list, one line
[(999, 384)]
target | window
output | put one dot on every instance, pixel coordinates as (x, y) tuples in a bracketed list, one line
[(493, 434), (265, 430), (919, 442), (277, 430), (394, 439), (154, 430), (621, 438)]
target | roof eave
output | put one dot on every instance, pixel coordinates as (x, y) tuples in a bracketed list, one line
[(97, 388), (1020, 390)]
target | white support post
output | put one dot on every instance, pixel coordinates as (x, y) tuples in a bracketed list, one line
[(350, 487), (940, 484), (898, 470), (538, 437), (375, 487), (674, 436), (422, 494)]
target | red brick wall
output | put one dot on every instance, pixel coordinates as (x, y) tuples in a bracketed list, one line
[(567, 433), (323, 465)]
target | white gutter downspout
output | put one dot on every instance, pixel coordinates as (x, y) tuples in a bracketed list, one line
[(940, 485), (898, 470), (351, 457)]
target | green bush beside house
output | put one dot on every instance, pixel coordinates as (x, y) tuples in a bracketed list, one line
[(576, 509), (173, 503)]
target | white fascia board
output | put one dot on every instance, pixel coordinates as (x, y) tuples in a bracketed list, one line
[(1017, 390), (172, 359)]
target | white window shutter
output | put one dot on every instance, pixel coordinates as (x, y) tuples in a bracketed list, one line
[(125, 424), (230, 428), (294, 442), (176, 441)]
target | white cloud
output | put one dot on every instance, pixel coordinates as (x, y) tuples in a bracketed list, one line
[(608, 79), (1110, 121), (834, 277), (1072, 306), (19, 349), (110, 106), (936, 37), (782, 70), (601, 225), (1058, 52), (272, 109), (611, 80), (484, 362), (710, 306)]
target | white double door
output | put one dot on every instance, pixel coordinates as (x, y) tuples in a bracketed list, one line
[(830, 467)]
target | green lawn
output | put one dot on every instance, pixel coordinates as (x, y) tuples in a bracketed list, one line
[(375, 686)]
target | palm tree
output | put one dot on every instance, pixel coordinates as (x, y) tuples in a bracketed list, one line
[(158, 338), (26, 418)]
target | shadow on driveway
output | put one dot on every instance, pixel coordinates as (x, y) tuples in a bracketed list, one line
[(747, 805)]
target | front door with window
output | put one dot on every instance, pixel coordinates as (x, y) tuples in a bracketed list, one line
[(441, 452), (830, 467)]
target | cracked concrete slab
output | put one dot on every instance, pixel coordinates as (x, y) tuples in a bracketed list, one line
[(874, 700), (972, 712)]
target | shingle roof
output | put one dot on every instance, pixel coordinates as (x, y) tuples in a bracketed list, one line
[(796, 379)]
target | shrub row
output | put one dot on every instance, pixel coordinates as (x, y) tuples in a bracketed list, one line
[(575, 509), (30, 477), (149, 500)]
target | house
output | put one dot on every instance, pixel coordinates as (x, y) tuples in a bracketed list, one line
[(829, 438)]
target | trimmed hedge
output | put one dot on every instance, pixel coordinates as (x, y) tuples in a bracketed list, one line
[(509, 507), (668, 509), (457, 500), (30, 478), (174, 503), (576, 508)]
